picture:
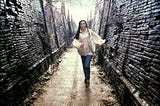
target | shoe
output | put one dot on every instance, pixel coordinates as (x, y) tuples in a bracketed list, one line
[(87, 83)]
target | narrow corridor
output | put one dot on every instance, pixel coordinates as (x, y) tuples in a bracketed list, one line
[(67, 88), (35, 33)]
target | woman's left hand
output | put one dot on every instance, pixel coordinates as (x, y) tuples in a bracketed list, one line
[(104, 45)]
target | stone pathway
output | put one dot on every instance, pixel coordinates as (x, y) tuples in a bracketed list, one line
[(66, 86)]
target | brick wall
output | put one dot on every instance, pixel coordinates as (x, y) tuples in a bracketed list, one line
[(133, 48), (28, 44)]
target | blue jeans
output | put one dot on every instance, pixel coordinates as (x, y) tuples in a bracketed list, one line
[(86, 60)]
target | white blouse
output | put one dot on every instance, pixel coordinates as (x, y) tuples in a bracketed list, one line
[(85, 49), (89, 39)]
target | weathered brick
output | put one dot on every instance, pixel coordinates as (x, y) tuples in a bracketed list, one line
[(139, 45), (24, 40)]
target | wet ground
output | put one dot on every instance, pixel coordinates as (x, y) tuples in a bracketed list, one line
[(66, 87)]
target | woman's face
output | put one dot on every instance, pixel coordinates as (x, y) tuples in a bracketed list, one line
[(83, 25)]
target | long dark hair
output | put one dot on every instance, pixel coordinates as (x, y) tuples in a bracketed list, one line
[(79, 28)]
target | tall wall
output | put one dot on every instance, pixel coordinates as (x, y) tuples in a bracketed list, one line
[(132, 56), (29, 42)]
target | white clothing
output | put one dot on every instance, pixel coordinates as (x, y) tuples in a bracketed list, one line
[(89, 39)]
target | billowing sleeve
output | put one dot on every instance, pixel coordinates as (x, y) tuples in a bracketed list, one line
[(96, 38), (77, 44)]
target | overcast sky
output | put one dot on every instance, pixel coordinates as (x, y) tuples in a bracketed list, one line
[(80, 9)]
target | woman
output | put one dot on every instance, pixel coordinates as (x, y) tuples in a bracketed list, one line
[(85, 43)]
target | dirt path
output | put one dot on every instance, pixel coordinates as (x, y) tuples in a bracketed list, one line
[(66, 87)]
